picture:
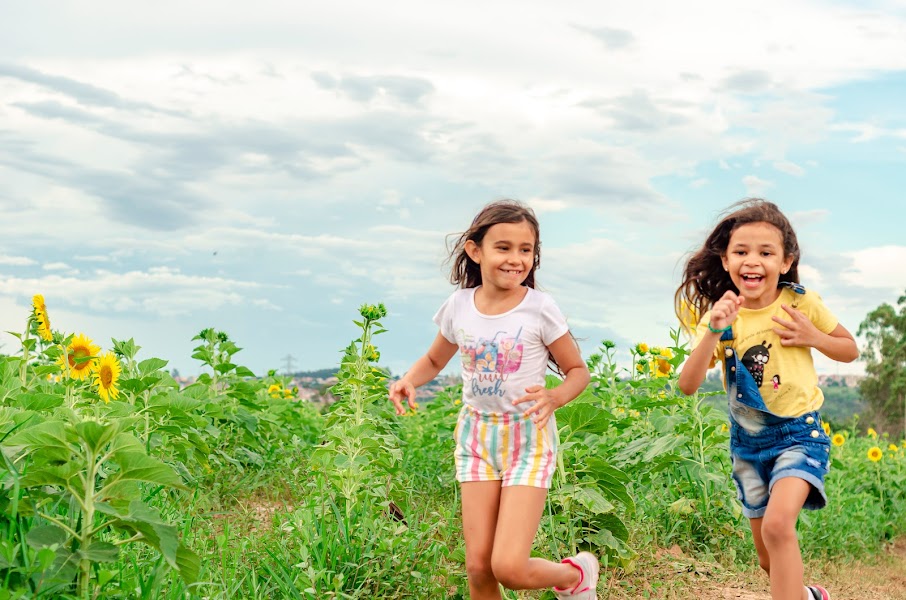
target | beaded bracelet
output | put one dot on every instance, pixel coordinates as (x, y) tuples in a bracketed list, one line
[(712, 330)]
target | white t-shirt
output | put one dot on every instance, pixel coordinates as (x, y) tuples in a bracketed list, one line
[(501, 354)]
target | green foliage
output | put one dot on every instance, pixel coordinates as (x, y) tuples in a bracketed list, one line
[(139, 497), (884, 387)]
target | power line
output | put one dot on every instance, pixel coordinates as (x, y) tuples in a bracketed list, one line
[(288, 362)]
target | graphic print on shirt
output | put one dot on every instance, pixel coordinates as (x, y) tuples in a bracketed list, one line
[(490, 361), (755, 359)]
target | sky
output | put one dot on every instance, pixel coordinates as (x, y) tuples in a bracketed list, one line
[(266, 168)]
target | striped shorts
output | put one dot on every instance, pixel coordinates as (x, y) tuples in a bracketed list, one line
[(505, 447)]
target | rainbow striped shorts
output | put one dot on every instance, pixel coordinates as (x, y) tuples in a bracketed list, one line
[(505, 447)]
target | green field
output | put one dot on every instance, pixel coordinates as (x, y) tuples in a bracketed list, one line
[(231, 488)]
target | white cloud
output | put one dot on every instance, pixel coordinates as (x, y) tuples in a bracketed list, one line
[(878, 267), (755, 186), (160, 291), (789, 168), (17, 261), (58, 266)]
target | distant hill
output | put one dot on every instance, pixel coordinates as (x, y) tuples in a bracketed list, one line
[(318, 374)]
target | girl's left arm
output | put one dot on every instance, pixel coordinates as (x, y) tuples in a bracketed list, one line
[(837, 345), (576, 377)]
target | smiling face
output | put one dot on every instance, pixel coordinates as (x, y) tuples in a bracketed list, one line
[(506, 255), (755, 261)]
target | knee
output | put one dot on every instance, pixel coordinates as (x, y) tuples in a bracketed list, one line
[(778, 531), (509, 572), (479, 570)]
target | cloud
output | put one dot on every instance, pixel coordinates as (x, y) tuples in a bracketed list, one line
[(161, 291), (612, 38), (875, 268), (83, 93), (755, 186), (789, 168), (365, 88), (17, 261), (636, 112), (747, 82), (58, 266)]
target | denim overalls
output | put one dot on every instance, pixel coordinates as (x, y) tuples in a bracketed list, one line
[(765, 447)]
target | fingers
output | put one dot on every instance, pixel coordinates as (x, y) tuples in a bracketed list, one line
[(787, 324), (532, 394), (399, 391), (796, 314)]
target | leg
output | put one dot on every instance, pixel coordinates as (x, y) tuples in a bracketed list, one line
[(764, 559), (480, 504), (520, 513), (778, 532)]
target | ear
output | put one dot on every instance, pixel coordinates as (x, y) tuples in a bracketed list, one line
[(787, 263), (726, 263), (473, 251)]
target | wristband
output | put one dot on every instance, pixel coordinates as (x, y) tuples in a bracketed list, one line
[(712, 330)]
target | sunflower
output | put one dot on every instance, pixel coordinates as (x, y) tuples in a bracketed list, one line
[(872, 433), (641, 348), (893, 448), (838, 439), (81, 354), (875, 454), (274, 390), (661, 368), (41, 318), (826, 426), (106, 371)]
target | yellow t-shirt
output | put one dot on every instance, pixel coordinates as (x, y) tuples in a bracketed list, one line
[(785, 375)]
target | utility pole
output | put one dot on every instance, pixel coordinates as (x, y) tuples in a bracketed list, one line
[(288, 361)]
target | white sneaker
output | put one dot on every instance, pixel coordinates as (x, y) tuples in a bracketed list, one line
[(818, 592), (587, 563)]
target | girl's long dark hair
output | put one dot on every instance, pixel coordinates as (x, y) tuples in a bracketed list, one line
[(466, 273), (704, 277)]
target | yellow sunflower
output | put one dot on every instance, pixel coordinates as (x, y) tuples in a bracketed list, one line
[(875, 454), (826, 426), (81, 354), (838, 439), (274, 390), (41, 318), (107, 371), (660, 367), (893, 448), (641, 348), (872, 433)]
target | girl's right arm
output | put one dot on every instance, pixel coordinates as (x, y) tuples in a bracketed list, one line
[(723, 313), (424, 370)]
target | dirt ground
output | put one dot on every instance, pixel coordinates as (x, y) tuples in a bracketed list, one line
[(673, 576)]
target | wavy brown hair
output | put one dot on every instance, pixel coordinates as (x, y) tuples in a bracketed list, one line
[(704, 277), (466, 273)]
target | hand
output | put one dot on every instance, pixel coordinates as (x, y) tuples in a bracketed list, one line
[(724, 311), (399, 391), (545, 401), (800, 331)]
